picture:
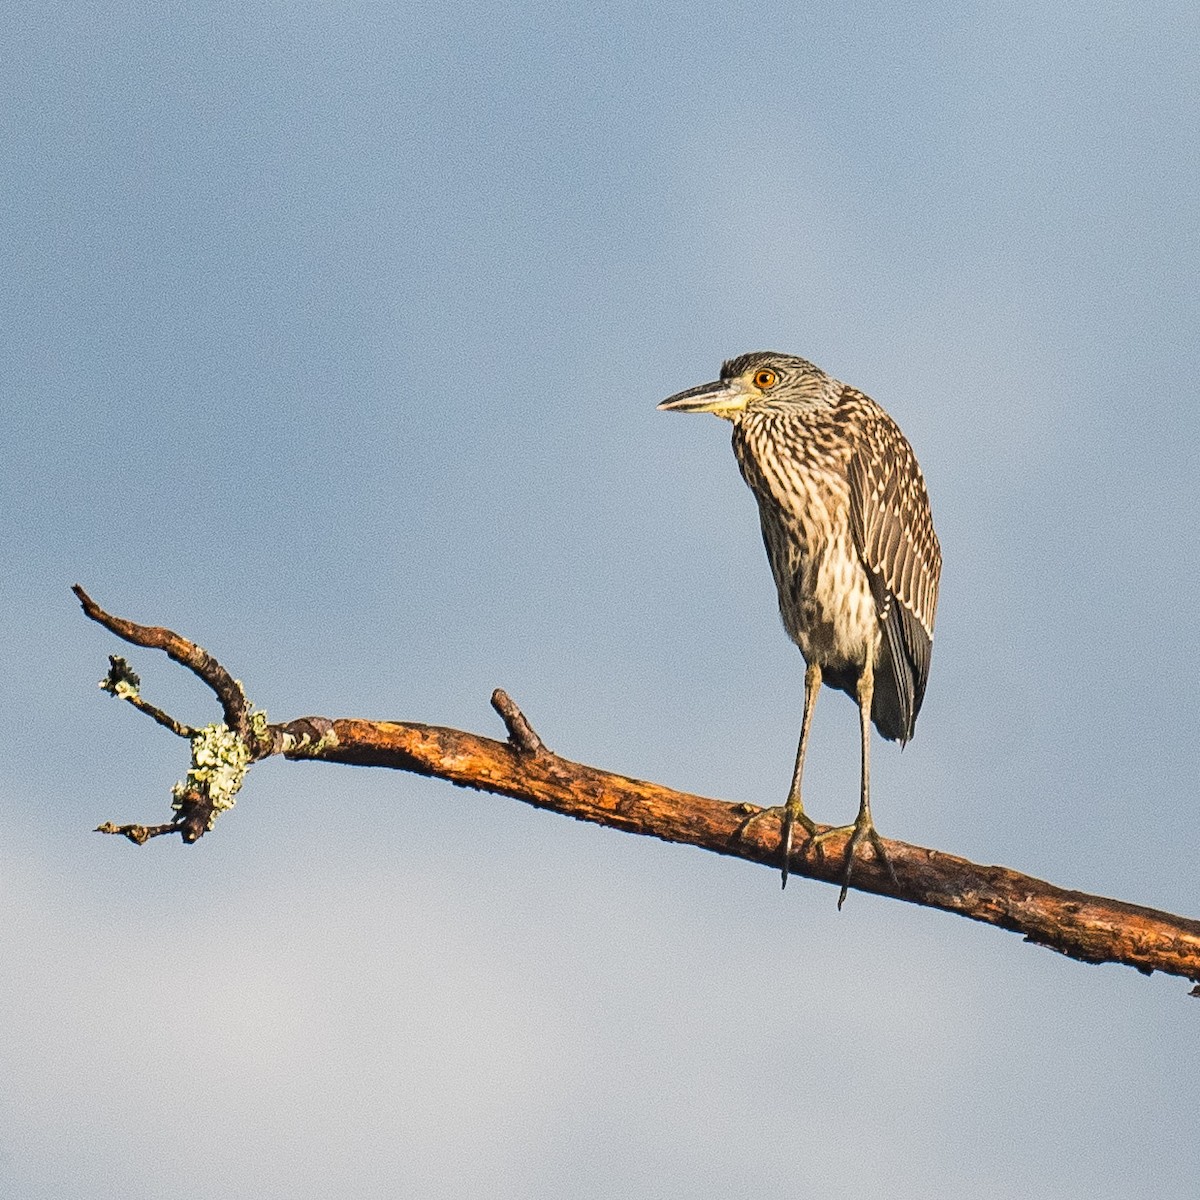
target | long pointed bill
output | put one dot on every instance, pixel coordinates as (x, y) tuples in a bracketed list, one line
[(724, 398)]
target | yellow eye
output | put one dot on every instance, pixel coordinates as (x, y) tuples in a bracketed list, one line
[(764, 379)]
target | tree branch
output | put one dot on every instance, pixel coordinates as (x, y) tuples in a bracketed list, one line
[(1087, 928), (201, 664)]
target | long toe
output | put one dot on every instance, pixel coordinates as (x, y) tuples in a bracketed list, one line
[(816, 839), (788, 818), (881, 854), (791, 818), (779, 812), (755, 814), (864, 831)]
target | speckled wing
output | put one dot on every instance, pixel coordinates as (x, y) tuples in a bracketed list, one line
[(893, 533)]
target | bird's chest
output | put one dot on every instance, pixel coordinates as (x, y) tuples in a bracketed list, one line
[(825, 597)]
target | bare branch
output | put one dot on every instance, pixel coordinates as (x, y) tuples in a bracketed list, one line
[(123, 683), (197, 660), (139, 834), (520, 732), (1088, 928)]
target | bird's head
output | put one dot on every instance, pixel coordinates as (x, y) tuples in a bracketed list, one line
[(759, 377)]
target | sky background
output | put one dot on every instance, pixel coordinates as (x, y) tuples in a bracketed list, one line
[(331, 336)]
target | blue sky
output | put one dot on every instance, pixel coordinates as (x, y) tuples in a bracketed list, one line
[(331, 337)]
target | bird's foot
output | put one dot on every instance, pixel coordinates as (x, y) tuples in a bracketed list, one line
[(753, 813), (789, 817), (863, 830)]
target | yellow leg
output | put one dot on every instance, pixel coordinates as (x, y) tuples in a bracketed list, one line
[(792, 813), (793, 810), (864, 826)]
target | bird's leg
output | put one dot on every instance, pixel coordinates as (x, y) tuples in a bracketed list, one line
[(793, 813), (793, 810), (864, 827)]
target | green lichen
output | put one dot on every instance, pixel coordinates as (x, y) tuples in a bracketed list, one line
[(259, 723), (220, 760), (309, 744), (121, 680)]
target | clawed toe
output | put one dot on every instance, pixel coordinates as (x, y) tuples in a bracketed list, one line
[(789, 818), (814, 839), (753, 813), (864, 831)]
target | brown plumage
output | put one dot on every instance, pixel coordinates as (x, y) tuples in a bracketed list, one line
[(849, 536)]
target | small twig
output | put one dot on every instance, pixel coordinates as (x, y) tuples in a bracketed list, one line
[(139, 834), (164, 719), (123, 683), (520, 732), (197, 660)]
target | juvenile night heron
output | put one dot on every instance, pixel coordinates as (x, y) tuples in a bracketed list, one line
[(846, 522)]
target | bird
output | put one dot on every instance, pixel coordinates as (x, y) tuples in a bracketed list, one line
[(849, 536)]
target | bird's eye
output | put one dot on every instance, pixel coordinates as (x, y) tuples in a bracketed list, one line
[(764, 379)]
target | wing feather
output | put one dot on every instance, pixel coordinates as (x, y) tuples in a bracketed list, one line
[(893, 533)]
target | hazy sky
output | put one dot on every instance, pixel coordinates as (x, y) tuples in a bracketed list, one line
[(331, 337)]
